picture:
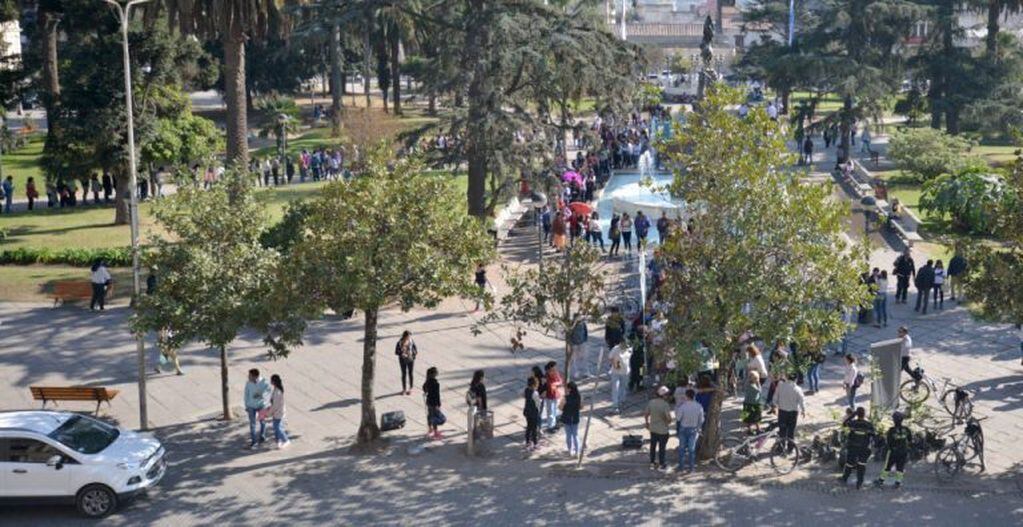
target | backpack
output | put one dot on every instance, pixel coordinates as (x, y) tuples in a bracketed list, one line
[(858, 381)]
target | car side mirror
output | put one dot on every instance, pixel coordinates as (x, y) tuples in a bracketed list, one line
[(56, 462)]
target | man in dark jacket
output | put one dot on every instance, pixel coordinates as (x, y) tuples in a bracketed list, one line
[(924, 282), (956, 270), (904, 269)]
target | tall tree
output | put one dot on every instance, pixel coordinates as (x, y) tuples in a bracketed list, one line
[(47, 18), (995, 10), (765, 253), (233, 22), (212, 272), (377, 242)]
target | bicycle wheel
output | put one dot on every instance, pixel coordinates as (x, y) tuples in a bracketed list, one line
[(733, 454), (948, 462), (973, 450), (960, 407), (914, 392), (784, 456)]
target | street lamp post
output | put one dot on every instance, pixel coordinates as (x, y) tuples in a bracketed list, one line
[(123, 14)]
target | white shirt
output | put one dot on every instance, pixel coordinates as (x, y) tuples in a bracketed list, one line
[(850, 374), (907, 345), (620, 357), (939, 276), (101, 275), (789, 397), (772, 111), (882, 285), (689, 414), (757, 364)]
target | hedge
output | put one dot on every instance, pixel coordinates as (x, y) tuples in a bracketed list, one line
[(114, 257)]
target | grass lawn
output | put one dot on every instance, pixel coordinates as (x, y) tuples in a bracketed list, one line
[(33, 283), (997, 155), (24, 163), (826, 104)]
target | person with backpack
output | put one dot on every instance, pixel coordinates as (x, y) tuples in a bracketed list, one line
[(857, 446), (553, 394), (531, 411), (897, 439), (406, 351), (852, 380), (434, 417), (570, 407)]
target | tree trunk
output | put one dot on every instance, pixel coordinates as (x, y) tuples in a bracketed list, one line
[(367, 66), (431, 107), (395, 44), (994, 12), (368, 429), (711, 428), (934, 96), (234, 94), (337, 84), (122, 197), (952, 120), (476, 156), (225, 392), (568, 359), (476, 191), (785, 94), (845, 126), (51, 77)]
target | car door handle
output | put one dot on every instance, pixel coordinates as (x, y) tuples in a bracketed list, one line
[(20, 471)]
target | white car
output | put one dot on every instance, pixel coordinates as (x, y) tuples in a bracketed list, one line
[(72, 458)]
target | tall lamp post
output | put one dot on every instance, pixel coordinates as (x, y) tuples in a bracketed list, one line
[(123, 15)]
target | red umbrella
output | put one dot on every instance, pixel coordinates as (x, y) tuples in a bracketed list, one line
[(580, 207)]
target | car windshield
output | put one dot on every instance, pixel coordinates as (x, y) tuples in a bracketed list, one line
[(86, 436)]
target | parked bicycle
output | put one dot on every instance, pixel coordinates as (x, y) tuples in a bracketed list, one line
[(964, 451), (738, 452), (954, 399)]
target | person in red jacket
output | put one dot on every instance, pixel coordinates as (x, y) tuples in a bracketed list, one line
[(553, 395)]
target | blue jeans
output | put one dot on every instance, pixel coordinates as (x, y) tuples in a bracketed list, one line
[(813, 377), (552, 412), (252, 427), (279, 434), (881, 308), (572, 437), (850, 396), (687, 446)]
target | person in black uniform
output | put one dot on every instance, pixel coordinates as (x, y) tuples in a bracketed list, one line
[(897, 438), (857, 446)]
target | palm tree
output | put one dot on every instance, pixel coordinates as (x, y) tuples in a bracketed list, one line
[(397, 22), (995, 10), (232, 22)]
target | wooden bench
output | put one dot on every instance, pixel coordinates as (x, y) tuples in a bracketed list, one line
[(74, 290), (73, 393)]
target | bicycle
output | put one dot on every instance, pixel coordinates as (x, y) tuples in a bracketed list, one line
[(954, 399), (963, 451), (734, 453)]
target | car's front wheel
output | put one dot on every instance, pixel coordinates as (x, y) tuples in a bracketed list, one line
[(96, 501)]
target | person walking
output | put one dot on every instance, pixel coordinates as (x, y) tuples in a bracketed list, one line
[(658, 419), (788, 398), (570, 407), (619, 360), (615, 235), (851, 380), (100, 279), (904, 269), (31, 192), (663, 224), (642, 225), (881, 299), (689, 416), (531, 411), (857, 447), (559, 229), (924, 283), (8, 193), (939, 282), (434, 417), (625, 225), (478, 391), (406, 351), (596, 235), (897, 440), (481, 283), (553, 395), (257, 398), (276, 411), (808, 150), (813, 372), (956, 269), (577, 349)]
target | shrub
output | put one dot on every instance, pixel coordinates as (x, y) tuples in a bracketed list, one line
[(928, 153), (115, 257), (971, 198)]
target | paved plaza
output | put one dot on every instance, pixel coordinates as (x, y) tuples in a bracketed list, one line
[(321, 480)]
